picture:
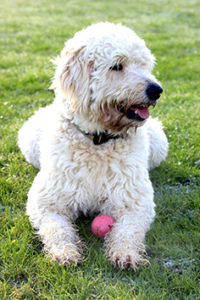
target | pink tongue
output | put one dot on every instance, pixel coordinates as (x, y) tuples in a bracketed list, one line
[(143, 112)]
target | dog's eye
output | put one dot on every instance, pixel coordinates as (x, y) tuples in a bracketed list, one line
[(117, 67)]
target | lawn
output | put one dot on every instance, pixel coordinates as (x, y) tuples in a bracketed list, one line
[(32, 33)]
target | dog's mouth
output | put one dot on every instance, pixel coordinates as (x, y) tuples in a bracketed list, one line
[(136, 112), (124, 115), (139, 113)]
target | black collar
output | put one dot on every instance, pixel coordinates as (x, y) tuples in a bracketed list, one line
[(104, 137), (100, 138)]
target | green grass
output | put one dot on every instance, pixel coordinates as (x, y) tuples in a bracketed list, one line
[(32, 33)]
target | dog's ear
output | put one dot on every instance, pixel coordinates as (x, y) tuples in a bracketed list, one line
[(72, 77)]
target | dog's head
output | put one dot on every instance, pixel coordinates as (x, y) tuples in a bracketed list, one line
[(104, 79)]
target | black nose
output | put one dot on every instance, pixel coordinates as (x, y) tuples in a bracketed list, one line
[(153, 91)]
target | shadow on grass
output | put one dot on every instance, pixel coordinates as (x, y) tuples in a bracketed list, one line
[(171, 174)]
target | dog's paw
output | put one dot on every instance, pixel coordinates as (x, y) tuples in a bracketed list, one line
[(127, 260), (125, 253), (65, 255)]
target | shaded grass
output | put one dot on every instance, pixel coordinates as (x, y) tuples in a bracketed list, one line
[(32, 33)]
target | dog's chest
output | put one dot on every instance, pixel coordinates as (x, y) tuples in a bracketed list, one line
[(96, 173), (92, 174), (97, 169), (94, 167)]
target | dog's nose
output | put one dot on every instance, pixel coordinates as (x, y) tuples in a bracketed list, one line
[(153, 91)]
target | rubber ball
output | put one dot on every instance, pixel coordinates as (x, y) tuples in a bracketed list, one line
[(101, 225)]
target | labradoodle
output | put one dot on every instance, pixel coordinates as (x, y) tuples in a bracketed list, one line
[(95, 144)]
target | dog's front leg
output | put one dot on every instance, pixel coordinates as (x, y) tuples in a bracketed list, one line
[(125, 242), (53, 222), (60, 239)]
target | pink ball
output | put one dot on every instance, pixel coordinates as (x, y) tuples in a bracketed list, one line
[(101, 225)]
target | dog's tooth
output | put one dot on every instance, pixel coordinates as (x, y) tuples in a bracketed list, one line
[(135, 112)]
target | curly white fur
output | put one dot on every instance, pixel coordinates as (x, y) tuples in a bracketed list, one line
[(76, 175)]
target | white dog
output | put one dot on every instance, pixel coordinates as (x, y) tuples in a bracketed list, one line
[(95, 145)]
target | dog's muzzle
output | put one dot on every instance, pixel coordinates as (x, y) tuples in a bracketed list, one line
[(153, 92), (141, 112)]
